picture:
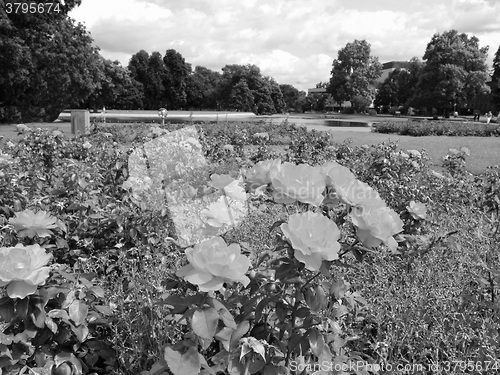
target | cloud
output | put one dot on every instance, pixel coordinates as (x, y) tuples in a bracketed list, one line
[(290, 40)]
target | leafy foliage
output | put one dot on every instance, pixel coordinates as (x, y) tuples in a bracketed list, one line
[(354, 72), (426, 128), (48, 64), (455, 71)]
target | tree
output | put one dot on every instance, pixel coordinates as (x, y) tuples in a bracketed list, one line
[(495, 90), (266, 97), (455, 72), (155, 90), (176, 78), (354, 72), (291, 96), (151, 72), (201, 88), (241, 98), (47, 63), (117, 89), (399, 87), (360, 103), (138, 67)]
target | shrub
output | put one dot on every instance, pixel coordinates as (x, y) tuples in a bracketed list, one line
[(448, 128)]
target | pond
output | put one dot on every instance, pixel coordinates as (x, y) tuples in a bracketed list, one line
[(321, 123)]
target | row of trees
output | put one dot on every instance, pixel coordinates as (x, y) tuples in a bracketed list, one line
[(169, 81), (452, 74), (48, 64)]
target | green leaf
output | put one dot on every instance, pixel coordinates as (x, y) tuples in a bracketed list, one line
[(98, 291), (183, 364), (104, 310), (7, 309), (38, 317), (81, 332), (50, 324), (317, 342), (276, 224), (281, 311), (179, 304), (78, 311), (22, 307), (224, 313), (204, 322), (243, 328), (158, 368), (320, 301), (224, 336), (58, 313)]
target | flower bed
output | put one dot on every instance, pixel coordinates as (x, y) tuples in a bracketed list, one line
[(448, 128), (345, 258)]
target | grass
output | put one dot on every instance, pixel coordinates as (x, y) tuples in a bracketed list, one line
[(484, 151)]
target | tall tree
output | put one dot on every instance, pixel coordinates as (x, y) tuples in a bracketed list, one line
[(47, 62), (202, 86), (241, 98), (117, 89), (291, 96), (495, 84), (139, 70), (266, 99), (455, 71), (176, 77), (354, 72), (155, 91)]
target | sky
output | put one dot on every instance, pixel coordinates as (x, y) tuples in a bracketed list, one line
[(292, 41)]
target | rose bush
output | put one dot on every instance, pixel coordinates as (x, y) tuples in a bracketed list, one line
[(313, 237), (212, 263), (23, 269)]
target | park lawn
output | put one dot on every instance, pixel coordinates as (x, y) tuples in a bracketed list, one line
[(484, 151)]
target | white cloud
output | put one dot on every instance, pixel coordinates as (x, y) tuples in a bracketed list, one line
[(290, 40)]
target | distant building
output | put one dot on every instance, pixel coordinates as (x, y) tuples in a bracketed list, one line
[(390, 66)]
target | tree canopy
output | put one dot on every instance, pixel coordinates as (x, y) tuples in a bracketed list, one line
[(259, 94), (455, 71), (47, 63), (354, 72), (400, 86), (496, 78)]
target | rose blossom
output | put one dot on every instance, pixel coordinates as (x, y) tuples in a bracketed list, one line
[(313, 237), (417, 210), (212, 263), (22, 269), (258, 175), (376, 223), (347, 187), (301, 183), (31, 224)]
